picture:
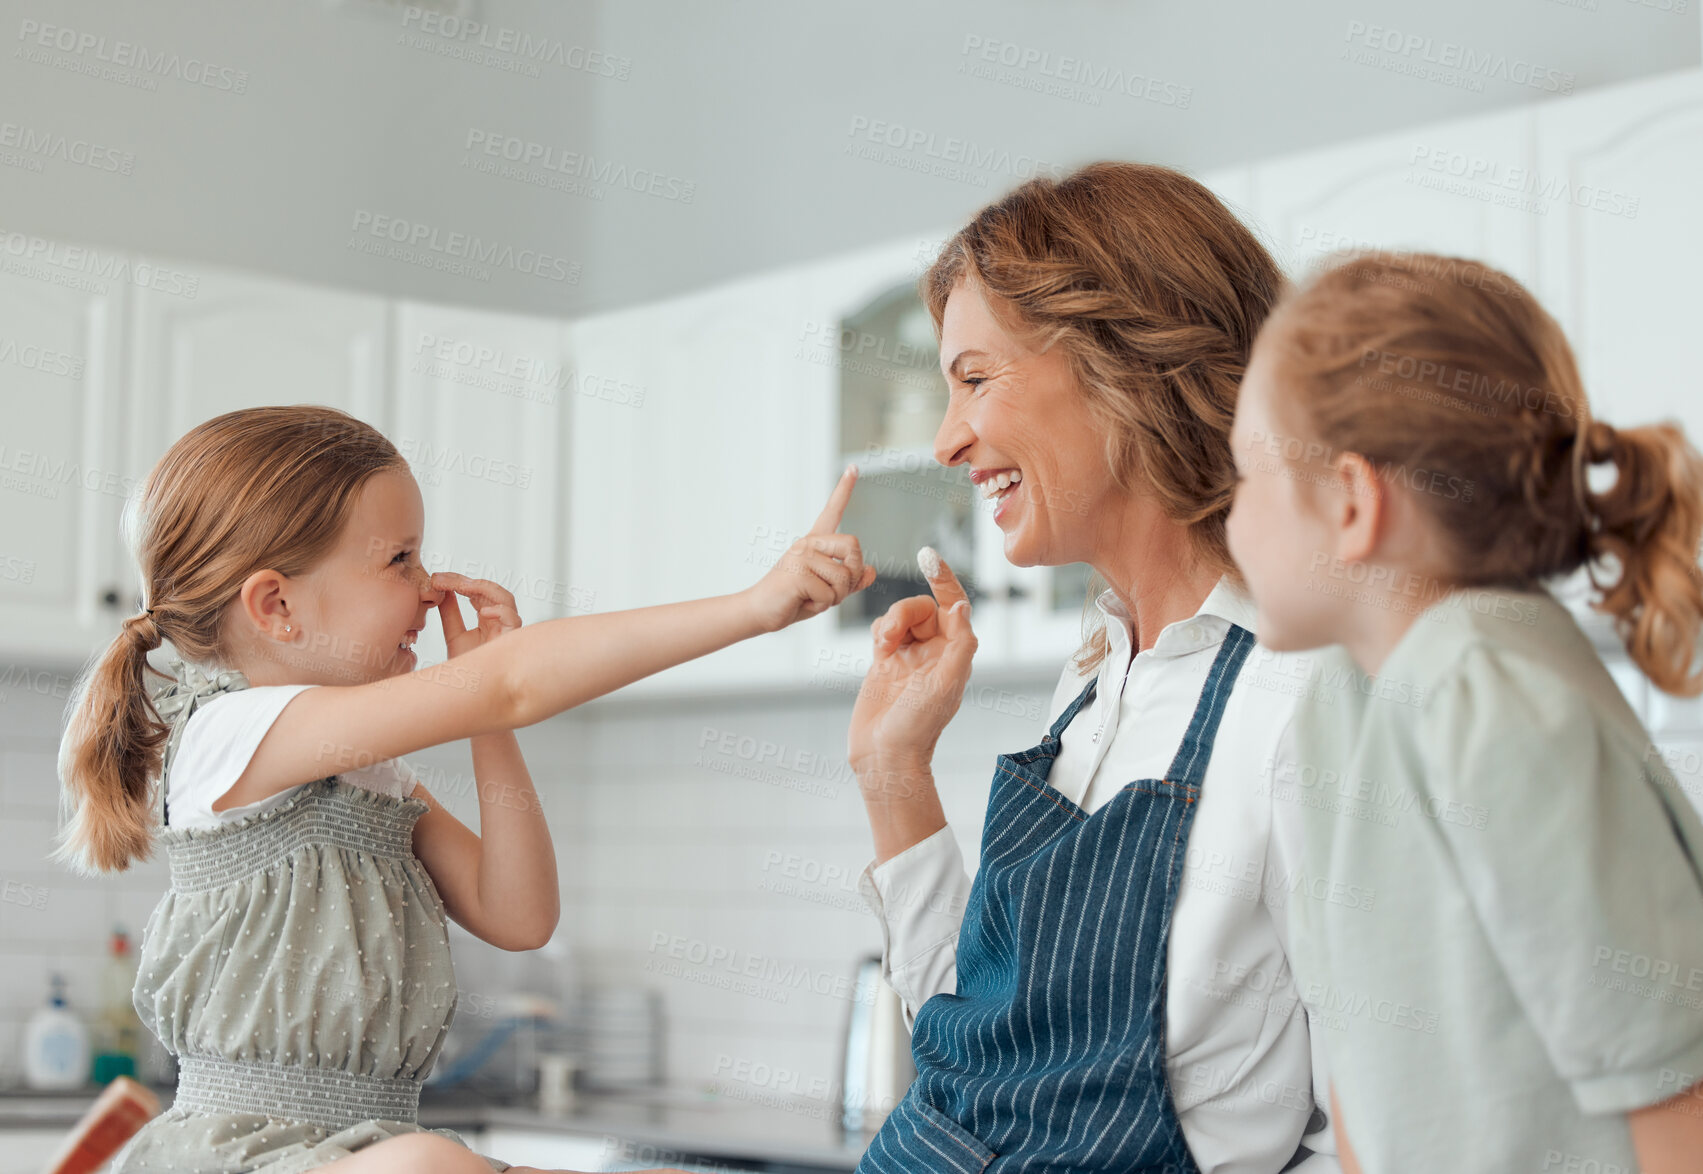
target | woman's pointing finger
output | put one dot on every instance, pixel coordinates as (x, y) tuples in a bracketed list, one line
[(947, 590)]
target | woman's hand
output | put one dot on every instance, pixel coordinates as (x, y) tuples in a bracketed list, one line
[(495, 606), (816, 572), (923, 649)]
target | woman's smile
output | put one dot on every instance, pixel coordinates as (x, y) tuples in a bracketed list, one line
[(999, 486)]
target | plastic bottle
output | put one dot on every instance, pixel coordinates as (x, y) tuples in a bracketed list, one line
[(56, 1044), (118, 1030)]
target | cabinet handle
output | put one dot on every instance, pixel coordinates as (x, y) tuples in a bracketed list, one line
[(110, 597), (1016, 591)]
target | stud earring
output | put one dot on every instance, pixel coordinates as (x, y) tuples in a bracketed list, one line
[(286, 627)]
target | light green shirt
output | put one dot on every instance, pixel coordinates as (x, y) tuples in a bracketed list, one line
[(1503, 943)]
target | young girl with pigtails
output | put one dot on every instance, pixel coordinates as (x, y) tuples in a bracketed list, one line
[(1418, 465), (298, 966)]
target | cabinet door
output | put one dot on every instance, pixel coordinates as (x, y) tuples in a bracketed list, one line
[(479, 410), (696, 456), (27, 1151), (61, 556), (865, 350), (243, 341), (1622, 241), (1459, 188)]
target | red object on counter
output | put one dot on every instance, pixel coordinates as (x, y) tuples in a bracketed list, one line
[(123, 1107)]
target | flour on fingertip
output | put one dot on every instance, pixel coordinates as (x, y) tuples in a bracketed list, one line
[(928, 560)]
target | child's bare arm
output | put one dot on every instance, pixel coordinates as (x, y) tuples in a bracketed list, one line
[(1668, 1137), (522, 677), (429, 1153), (1344, 1152), (500, 884)]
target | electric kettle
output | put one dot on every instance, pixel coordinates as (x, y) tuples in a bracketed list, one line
[(877, 1067)]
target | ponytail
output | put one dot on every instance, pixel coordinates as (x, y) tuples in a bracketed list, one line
[(1650, 521), (110, 754), (1475, 381)]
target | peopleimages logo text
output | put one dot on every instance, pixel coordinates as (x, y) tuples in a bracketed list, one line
[(516, 43), (1450, 55), (130, 55), (48, 144), (1076, 71), (419, 236), (950, 149)]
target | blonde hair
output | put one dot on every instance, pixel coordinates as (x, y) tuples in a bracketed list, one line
[(1420, 360), (268, 487), (1154, 292)]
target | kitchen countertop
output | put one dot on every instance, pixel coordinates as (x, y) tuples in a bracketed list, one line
[(801, 1136)]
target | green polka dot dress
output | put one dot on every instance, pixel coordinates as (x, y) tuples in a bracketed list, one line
[(299, 969)]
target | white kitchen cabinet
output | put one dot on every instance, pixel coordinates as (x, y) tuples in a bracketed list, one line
[(480, 414), (1022, 615), (243, 341), (1452, 188), (63, 586), (674, 450), (1622, 241), (741, 417), (865, 349), (695, 452), (115, 359)]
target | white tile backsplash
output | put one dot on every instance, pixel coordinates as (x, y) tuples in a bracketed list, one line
[(694, 817)]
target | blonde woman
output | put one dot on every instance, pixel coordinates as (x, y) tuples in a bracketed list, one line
[(1112, 991)]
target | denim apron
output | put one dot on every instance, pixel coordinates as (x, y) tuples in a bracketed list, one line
[(1051, 1056)]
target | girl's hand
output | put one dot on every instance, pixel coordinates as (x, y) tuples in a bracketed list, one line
[(923, 650), (497, 612), (817, 571)]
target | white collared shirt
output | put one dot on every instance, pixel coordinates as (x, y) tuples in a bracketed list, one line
[(1245, 1075)]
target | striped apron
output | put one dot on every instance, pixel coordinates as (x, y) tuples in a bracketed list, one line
[(1051, 1055)]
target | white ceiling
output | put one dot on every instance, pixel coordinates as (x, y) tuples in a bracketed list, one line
[(359, 108)]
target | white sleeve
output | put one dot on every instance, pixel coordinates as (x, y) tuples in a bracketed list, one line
[(407, 778), (217, 744), (918, 896)]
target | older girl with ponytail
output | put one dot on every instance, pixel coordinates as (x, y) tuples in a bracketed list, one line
[(299, 966), (1418, 464)]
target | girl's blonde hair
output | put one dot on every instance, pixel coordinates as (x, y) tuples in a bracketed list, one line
[(1424, 361), (1154, 292), (268, 487)]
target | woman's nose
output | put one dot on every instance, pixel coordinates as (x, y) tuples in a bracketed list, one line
[(953, 436)]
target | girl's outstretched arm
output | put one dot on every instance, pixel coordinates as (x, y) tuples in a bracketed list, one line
[(527, 675)]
